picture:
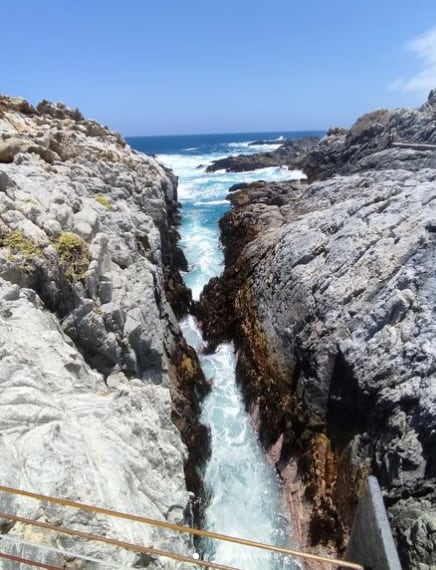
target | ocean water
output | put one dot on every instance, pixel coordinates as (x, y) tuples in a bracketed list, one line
[(244, 493), (202, 194)]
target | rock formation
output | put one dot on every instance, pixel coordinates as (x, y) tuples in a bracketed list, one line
[(368, 144), (291, 152), (95, 375), (331, 288)]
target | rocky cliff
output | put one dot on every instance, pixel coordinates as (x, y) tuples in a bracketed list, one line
[(331, 288), (95, 375), (368, 144)]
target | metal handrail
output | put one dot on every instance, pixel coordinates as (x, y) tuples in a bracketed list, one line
[(115, 542), (162, 524), (66, 553), (20, 560)]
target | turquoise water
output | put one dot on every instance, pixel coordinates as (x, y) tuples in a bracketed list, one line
[(244, 493)]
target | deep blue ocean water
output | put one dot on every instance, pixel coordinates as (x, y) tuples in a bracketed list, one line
[(245, 495), (212, 143)]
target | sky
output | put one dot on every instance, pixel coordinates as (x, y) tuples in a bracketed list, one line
[(156, 67)]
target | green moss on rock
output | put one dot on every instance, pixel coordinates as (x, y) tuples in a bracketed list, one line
[(74, 255), (19, 244), (103, 201)]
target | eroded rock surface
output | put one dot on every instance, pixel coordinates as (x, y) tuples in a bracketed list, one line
[(331, 288), (95, 375)]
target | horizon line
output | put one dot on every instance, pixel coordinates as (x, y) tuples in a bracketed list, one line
[(226, 133)]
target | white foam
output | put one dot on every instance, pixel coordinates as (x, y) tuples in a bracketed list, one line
[(245, 498), (210, 203), (240, 144), (265, 147), (237, 473)]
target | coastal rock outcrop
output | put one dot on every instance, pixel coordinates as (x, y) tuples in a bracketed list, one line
[(291, 152), (385, 138), (331, 288), (371, 143), (96, 376)]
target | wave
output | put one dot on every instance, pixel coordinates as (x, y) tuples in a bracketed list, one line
[(210, 203), (264, 146), (242, 486), (238, 144)]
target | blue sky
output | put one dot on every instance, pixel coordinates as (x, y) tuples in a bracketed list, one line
[(148, 67)]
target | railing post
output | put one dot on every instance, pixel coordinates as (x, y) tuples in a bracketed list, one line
[(371, 543)]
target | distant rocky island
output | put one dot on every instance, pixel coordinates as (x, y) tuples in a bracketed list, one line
[(329, 294)]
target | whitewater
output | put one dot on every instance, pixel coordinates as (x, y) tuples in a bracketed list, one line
[(244, 496)]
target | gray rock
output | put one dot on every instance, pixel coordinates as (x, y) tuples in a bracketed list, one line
[(82, 300), (331, 288), (289, 153), (10, 147)]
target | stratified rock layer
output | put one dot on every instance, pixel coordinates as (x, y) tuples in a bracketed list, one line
[(95, 374), (331, 288)]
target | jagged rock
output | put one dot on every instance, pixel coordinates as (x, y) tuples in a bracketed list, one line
[(289, 153), (73, 437), (329, 289), (368, 144), (98, 387)]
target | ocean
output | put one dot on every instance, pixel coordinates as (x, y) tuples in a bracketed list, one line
[(245, 498), (203, 194)]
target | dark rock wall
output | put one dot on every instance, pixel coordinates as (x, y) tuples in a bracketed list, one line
[(331, 288)]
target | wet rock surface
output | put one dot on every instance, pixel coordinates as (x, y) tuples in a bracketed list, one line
[(331, 288), (96, 376)]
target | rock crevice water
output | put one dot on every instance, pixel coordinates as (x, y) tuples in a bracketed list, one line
[(329, 295), (96, 376)]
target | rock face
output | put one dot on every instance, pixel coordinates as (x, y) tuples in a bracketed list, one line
[(331, 288), (369, 143), (95, 374)]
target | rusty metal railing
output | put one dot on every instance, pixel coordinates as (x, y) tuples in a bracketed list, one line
[(138, 548)]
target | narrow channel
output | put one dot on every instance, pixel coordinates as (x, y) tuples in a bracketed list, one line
[(244, 493)]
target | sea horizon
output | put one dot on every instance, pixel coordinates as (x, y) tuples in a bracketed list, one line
[(169, 144), (222, 133)]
